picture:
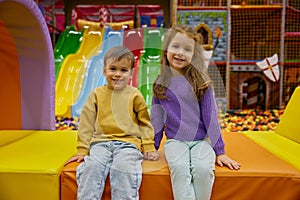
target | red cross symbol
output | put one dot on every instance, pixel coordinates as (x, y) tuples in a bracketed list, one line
[(270, 67)]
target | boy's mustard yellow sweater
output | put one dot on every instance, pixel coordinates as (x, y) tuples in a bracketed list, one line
[(120, 115)]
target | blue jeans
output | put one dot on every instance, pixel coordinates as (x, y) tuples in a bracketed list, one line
[(123, 162), (191, 167)]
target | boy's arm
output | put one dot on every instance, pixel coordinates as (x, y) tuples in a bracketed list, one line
[(145, 126), (147, 131), (86, 127)]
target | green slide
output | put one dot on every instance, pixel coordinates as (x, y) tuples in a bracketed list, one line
[(68, 43), (150, 62)]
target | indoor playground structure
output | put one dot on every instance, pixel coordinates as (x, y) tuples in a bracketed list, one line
[(252, 51), (32, 152), (26, 68)]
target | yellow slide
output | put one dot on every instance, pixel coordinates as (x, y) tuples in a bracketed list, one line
[(72, 73)]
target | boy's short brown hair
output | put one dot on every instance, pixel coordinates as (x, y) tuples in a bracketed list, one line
[(118, 53)]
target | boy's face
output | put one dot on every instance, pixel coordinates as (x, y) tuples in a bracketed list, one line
[(117, 73)]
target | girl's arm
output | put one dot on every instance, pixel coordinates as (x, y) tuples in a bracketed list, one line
[(209, 113), (157, 120)]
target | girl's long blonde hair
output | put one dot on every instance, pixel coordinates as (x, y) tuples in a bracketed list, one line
[(196, 72)]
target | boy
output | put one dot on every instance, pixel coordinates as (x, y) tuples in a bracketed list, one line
[(114, 129)]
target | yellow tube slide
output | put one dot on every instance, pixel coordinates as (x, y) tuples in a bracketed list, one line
[(72, 73)]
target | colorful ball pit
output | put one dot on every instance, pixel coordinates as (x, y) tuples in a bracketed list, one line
[(232, 121), (66, 123), (250, 120)]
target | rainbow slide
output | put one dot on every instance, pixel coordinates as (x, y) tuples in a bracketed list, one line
[(94, 72), (72, 72), (77, 79)]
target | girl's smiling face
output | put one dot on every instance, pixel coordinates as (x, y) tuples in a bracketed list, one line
[(180, 52), (117, 73)]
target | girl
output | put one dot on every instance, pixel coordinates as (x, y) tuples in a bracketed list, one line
[(184, 107)]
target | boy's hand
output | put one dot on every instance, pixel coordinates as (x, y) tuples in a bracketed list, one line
[(153, 155), (75, 159)]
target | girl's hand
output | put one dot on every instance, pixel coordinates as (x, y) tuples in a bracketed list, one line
[(153, 155), (75, 159), (225, 160)]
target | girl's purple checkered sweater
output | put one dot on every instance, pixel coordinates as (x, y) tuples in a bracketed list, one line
[(184, 117)]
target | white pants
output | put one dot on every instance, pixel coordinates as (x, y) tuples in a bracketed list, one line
[(192, 166)]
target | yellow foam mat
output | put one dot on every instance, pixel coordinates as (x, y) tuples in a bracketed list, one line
[(8, 136), (280, 146), (288, 125), (30, 167)]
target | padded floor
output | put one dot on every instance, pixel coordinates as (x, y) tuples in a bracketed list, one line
[(282, 147), (8, 136), (30, 167), (261, 175)]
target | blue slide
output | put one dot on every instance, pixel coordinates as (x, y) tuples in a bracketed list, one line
[(94, 72)]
